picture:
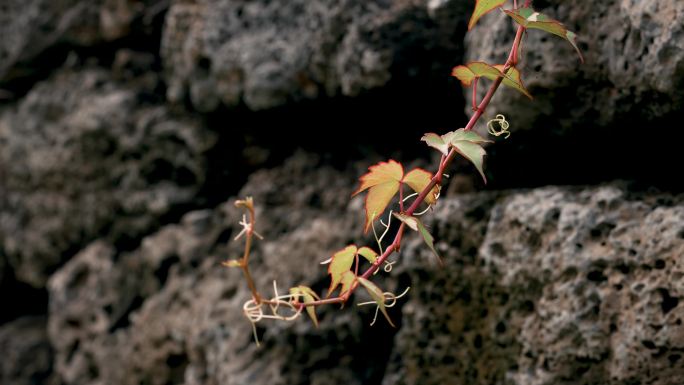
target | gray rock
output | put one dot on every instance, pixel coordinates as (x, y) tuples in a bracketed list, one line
[(27, 355), (267, 53), (81, 157), (563, 286), (32, 26), (634, 66)]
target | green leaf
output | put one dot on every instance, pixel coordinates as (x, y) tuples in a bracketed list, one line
[(429, 240), (377, 295), (483, 7), (462, 134), (368, 253), (435, 141), (347, 281), (467, 143), (382, 180), (341, 262), (469, 72), (308, 296), (408, 220), (529, 18)]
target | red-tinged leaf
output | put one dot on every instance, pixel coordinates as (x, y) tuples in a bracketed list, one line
[(467, 73), (418, 179), (348, 279), (341, 262), (437, 142), (529, 18), (513, 79), (411, 222), (377, 295), (382, 182), (307, 296), (368, 253), (483, 7)]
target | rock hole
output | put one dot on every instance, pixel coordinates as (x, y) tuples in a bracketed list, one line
[(669, 302)]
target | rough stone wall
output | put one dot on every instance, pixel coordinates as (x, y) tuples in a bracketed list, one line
[(129, 128)]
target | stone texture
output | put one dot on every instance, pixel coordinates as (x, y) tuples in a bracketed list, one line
[(267, 53), (27, 355), (30, 27), (634, 66), (562, 286), (81, 156), (169, 313)]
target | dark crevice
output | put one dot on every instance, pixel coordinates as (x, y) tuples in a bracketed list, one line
[(124, 320), (19, 299)]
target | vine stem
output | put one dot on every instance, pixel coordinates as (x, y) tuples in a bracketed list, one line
[(436, 179)]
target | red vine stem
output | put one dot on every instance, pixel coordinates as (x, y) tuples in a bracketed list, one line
[(436, 179)]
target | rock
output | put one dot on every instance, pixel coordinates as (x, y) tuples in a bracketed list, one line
[(81, 157), (568, 286), (27, 355), (267, 53), (168, 312), (634, 68), (31, 27)]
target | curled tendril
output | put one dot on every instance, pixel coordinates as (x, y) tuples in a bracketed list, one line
[(390, 301), (503, 124), (255, 311)]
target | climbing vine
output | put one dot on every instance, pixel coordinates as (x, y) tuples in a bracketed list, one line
[(387, 182)]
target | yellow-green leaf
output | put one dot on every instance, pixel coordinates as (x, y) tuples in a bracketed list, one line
[(308, 296), (529, 18), (427, 237), (382, 182), (418, 179), (408, 220), (368, 253), (347, 281), (435, 141), (483, 7), (467, 73), (341, 262), (377, 295), (467, 143), (513, 79)]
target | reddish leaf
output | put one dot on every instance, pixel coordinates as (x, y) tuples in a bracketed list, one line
[(382, 182)]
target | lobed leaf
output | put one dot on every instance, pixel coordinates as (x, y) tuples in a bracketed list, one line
[(435, 141), (368, 253), (469, 72), (377, 295), (529, 18), (308, 296), (341, 262), (428, 238), (348, 279), (418, 179), (408, 220), (482, 7), (382, 182), (473, 152)]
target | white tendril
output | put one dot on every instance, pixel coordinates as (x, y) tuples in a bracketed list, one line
[(503, 124), (388, 296), (409, 197), (255, 311)]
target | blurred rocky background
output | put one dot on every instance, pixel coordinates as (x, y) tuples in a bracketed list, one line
[(129, 127)]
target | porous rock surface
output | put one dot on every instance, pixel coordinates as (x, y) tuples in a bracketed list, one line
[(267, 53), (30, 27), (634, 68), (546, 286), (81, 154), (561, 286)]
